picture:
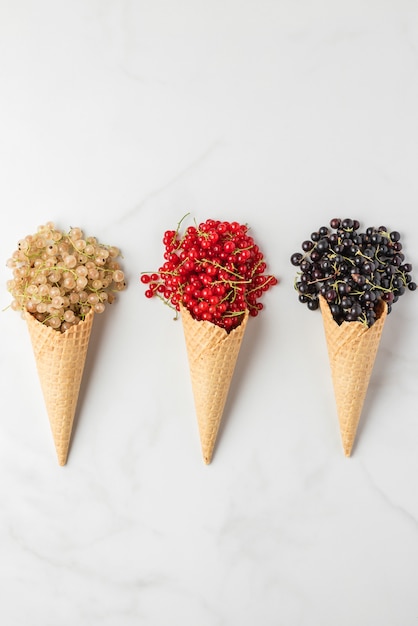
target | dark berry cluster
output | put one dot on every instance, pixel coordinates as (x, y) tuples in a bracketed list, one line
[(354, 271), (214, 269)]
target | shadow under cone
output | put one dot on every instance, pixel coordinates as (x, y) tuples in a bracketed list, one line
[(352, 348), (60, 359), (212, 354)]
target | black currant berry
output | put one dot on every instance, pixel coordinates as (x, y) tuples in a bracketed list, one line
[(335, 223), (296, 258)]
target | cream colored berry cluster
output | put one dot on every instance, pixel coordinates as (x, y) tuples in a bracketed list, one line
[(59, 277)]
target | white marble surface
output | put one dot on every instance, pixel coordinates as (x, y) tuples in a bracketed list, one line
[(120, 116)]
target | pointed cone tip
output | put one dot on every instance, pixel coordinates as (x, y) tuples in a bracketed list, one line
[(207, 457), (347, 444), (62, 457)]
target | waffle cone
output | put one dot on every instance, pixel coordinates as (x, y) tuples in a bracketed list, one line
[(60, 359), (352, 349), (212, 354)]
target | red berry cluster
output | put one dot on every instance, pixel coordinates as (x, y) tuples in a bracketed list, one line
[(215, 270)]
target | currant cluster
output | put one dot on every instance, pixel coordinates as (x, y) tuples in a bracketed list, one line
[(214, 269), (354, 271), (58, 277)]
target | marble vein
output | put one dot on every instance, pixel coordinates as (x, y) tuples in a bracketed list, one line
[(194, 164), (401, 511), (150, 580)]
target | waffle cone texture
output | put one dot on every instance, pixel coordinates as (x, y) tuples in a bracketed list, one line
[(60, 359), (212, 355), (352, 349)]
